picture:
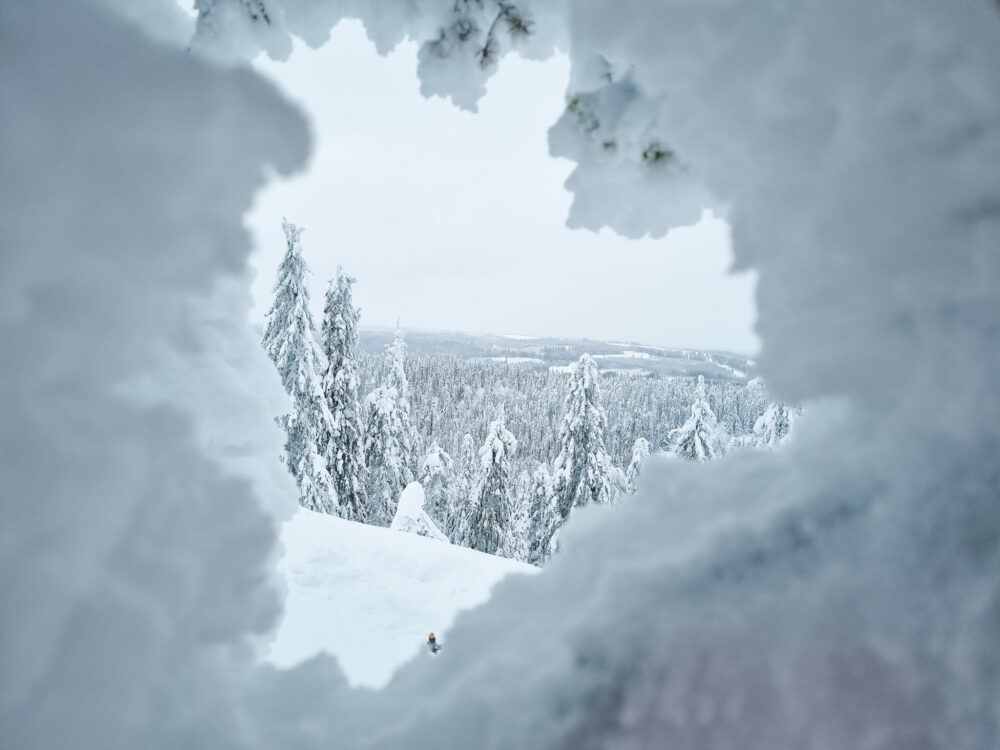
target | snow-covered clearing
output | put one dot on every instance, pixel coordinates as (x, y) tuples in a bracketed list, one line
[(627, 354), (512, 360), (628, 372), (370, 595)]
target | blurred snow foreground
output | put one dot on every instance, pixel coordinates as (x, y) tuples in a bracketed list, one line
[(842, 593)]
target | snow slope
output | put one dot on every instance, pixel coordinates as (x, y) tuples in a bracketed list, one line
[(370, 595)]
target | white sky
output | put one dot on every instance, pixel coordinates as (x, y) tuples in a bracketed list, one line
[(455, 221)]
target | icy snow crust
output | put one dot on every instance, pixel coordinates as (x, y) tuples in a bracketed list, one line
[(369, 596), (841, 593)]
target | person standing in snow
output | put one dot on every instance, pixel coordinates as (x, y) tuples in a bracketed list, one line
[(432, 644)]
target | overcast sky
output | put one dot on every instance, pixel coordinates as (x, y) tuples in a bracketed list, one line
[(455, 221)]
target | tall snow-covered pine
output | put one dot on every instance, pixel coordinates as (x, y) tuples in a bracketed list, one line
[(408, 437), (289, 340), (700, 438), (343, 446), (389, 438), (437, 477), (486, 519), (545, 517), (584, 472)]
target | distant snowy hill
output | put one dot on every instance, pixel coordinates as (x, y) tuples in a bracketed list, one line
[(370, 595), (619, 357)]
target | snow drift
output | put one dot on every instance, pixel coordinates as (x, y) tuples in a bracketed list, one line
[(369, 596), (842, 593)]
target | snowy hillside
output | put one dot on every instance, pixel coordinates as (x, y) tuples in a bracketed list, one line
[(370, 595)]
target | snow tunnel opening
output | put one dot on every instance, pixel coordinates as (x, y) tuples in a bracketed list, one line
[(454, 220)]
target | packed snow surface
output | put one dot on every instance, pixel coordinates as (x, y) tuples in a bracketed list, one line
[(369, 596)]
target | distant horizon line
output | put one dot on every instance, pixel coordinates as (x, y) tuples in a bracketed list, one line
[(525, 337)]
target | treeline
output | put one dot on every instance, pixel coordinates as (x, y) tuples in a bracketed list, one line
[(504, 453)]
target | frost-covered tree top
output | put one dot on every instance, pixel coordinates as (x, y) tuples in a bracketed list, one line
[(486, 519), (389, 435), (699, 438), (397, 379), (500, 444), (583, 470), (437, 475), (461, 41), (544, 517), (343, 444), (436, 462), (289, 339), (289, 333), (340, 325), (469, 456), (774, 426), (387, 453), (640, 452)]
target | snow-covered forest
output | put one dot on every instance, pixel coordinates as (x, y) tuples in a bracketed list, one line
[(495, 445)]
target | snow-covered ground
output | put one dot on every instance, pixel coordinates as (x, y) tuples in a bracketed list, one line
[(370, 595), (512, 360), (626, 354)]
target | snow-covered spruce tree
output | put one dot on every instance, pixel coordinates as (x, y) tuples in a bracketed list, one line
[(486, 521), (773, 426), (584, 472), (700, 437), (466, 473), (519, 536), (523, 493), (468, 464), (545, 517), (541, 488), (343, 445), (401, 385), (751, 406), (385, 456), (640, 452), (389, 439), (289, 340), (437, 477)]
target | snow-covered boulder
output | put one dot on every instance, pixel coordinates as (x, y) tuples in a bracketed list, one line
[(411, 516)]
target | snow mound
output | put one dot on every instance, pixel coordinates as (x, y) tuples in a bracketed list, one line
[(411, 516), (370, 596)]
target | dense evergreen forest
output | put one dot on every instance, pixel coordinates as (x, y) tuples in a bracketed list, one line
[(451, 397), (503, 448)]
